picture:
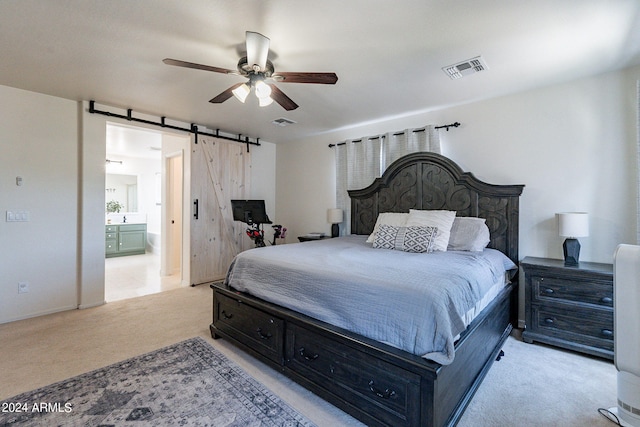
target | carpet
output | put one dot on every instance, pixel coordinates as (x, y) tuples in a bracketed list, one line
[(186, 384)]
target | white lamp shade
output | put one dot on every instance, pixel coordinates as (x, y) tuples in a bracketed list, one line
[(263, 90), (263, 102), (241, 92), (334, 216), (573, 224)]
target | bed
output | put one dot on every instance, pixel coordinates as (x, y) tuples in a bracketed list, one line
[(378, 380)]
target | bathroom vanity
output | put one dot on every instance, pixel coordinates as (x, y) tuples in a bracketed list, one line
[(125, 239)]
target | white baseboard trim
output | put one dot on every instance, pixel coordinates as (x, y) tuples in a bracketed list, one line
[(85, 306), (39, 313)]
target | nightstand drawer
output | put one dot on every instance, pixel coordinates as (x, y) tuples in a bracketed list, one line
[(591, 328), (582, 291), (569, 306)]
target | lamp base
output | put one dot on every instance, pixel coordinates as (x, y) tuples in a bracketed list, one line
[(571, 249), (335, 230)]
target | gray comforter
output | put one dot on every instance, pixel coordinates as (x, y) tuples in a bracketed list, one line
[(412, 301)]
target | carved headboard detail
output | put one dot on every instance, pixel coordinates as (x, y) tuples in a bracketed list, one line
[(431, 181)]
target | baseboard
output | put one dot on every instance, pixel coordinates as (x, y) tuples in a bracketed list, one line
[(84, 306), (38, 314)]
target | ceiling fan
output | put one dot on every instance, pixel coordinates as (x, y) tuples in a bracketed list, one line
[(261, 74)]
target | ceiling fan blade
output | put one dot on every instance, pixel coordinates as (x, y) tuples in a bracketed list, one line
[(224, 95), (293, 77), (186, 64), (282, 99), (257, 49)]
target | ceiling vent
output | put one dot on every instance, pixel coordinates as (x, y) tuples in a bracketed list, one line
[(464, 68), (282, 122)]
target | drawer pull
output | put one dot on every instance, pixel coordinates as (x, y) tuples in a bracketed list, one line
[(387, 394), (548, 321), (226, 316), (548, 291), (307, 356), (606, 300), (607, 333), (263, 336)]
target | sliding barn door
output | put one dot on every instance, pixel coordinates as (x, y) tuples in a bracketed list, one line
[(220, 171)]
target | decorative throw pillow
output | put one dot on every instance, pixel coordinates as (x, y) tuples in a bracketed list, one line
[(407, 239), (441, 219), (389, 218), (469, 234)]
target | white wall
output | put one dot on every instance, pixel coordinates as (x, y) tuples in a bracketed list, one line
[(38, 142), (58, 148), (263, 181), (572, 145)]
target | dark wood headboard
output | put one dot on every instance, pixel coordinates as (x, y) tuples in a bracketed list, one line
[(431, 181)]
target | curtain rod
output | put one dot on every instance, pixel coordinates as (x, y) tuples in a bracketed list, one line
[(161, 123), (452, 125)]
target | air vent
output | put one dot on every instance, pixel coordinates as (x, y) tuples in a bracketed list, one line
[(282, 122), (464, 68)]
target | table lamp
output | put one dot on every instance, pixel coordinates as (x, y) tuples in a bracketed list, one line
[(334, 217), (572, 225)]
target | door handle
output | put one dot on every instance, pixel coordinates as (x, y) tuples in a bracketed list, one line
[(195, 204)]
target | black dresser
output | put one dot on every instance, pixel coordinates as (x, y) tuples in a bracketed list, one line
[(569, 306)]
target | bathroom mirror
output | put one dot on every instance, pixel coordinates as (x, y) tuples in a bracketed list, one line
[(122, 189)]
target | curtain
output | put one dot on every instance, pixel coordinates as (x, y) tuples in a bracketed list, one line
[(399, 144), (360, 161)]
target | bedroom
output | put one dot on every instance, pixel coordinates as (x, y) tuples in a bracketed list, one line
[(571, 142)]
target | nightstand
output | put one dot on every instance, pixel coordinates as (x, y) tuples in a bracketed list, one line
[(311, 238), (569, 306)]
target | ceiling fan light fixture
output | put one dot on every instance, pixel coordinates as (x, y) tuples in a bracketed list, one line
[(263, 90), (241, 92), (264, 101), (256, 67)]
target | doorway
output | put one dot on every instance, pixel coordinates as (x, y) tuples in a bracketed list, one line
[(150, 203), (171, 261)]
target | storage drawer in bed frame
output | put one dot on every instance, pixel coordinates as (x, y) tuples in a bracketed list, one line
[(374, 382), (354, 375), (251, 326)]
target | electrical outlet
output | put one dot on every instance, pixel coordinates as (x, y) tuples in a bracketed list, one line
[(23, 287)]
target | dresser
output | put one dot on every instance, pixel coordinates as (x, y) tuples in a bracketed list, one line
[(569, 306), (125, 239)]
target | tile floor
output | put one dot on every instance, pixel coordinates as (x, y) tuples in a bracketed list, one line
[(136, 275)]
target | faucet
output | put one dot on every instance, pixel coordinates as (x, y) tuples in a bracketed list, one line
[(124, 219)]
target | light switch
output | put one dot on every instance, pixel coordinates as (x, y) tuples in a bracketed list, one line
[(18, 216)]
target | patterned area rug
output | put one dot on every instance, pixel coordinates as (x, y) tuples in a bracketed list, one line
[(185, 384)]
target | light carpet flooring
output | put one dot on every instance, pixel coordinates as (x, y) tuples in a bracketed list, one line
[(533, 385)]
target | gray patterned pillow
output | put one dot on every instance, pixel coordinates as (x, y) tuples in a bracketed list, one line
[(407, 239)]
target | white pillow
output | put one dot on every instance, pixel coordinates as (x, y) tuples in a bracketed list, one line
[(389, 218), (469, 234), (443, 220)]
